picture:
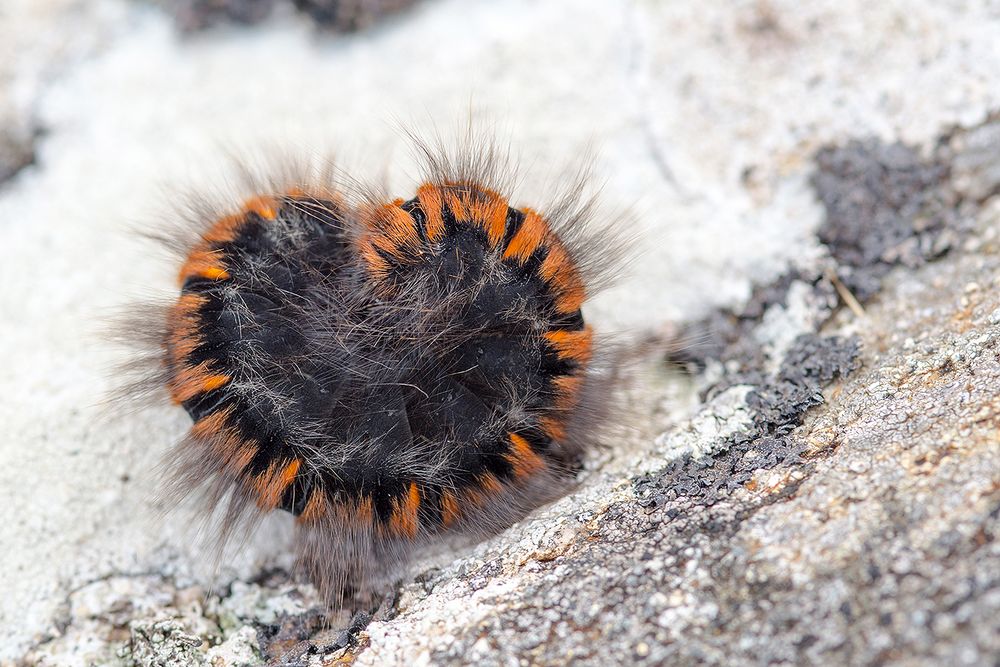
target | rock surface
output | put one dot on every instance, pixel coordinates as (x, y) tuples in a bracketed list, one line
[(812, 478)]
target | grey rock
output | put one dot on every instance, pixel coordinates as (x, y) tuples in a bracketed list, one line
[(975, 166), (165, 643)]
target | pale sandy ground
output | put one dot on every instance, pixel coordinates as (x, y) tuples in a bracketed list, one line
[(703, 115)]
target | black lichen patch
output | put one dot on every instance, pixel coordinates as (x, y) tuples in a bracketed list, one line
[(727, 336), (810, 364), (779, 405), (885, 205), (333, 15)]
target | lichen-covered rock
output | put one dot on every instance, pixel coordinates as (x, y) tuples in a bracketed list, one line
[(165, 643)]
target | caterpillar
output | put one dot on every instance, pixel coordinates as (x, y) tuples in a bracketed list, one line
[(390, 372)]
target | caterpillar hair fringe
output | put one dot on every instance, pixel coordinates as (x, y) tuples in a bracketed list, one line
[(389, 371)]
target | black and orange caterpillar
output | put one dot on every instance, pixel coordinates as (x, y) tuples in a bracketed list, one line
[(386, 372)]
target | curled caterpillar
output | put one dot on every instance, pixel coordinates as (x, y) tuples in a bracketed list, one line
[(389, 372)]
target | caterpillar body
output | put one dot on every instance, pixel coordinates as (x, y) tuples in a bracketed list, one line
[(386, 371)]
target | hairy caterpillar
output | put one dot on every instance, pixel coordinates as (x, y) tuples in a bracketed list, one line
[(389, 372)]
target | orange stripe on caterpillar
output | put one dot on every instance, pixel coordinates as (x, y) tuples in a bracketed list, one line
[(264, 206), (567, 391), (522, 457), (182, 324), (456, 203), (471, 202), (431, 204), (289, 471), (487, 487), (338, 511), (225, 229), (376, 263), (365, 511), (228, 446), (204, 264), (211, 425), (490, 483), (392, 230), (559, 271), (215, 273), (489, 211), (527, 238), (450, 511), (188, 381), (215, 381), (204, 260), (403, 519), (315, 508), (270, 485), (574, 345), (553, 427)]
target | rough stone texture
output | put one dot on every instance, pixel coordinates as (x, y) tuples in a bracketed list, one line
[(876, 545), (822, 488)]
